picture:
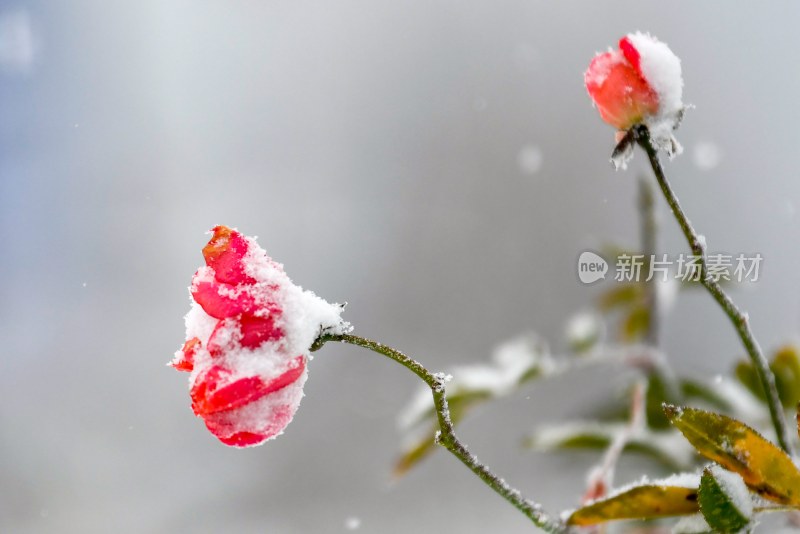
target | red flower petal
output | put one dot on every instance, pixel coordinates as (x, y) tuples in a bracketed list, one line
[(220, 300), (235, 394), (297, 366), (621, 95), (243, 439), (258, 330), (185, 362), (224, 253), (209, 396), (203, 383), (254, 331), (227, 429), (632, 55), (215, 346)]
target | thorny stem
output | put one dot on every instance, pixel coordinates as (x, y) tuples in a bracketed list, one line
[(446, 436), (740, 320)]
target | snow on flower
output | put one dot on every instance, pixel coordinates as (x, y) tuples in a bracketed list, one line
[(248, 336), (640, 83)]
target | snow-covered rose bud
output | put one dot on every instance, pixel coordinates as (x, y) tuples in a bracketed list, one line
[(248, 338), (639, 83)]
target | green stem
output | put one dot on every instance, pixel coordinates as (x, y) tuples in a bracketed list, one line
[(740, 320), (446, 436)]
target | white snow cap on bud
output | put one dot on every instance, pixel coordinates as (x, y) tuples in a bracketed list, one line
[(661, 68)]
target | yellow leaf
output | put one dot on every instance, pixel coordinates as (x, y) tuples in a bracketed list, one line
[(459, 403), (414, 454), (765, 468), (640, 502)]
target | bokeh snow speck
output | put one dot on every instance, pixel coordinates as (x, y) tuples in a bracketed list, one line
[(352, 523), (706, 155), (530, 159)]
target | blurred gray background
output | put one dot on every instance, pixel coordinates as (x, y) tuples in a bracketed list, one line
[(437, 164)]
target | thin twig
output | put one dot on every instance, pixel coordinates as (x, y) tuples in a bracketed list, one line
[(601, 479), (649, 236), (446, 436), (740, 320)]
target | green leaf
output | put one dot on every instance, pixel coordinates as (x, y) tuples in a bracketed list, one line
[(583, 331), (657, 394), (785, 365), (593, 435), (531, 374), (458, 401), (635, 324), (724, 500), (747, 375), (414, 454), (646, 501), (765, 468), (420, 448), (693, 389)]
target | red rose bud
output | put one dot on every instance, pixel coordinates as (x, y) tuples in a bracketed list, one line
[(249, 334), (640, 83)]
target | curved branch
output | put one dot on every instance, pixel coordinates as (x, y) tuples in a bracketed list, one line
[(446, 436)]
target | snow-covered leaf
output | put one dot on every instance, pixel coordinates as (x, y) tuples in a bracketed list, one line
[(583, 331), (724, 500), (667, 448), (513, 363), (706, 392), (765, 468), (674, 496)]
